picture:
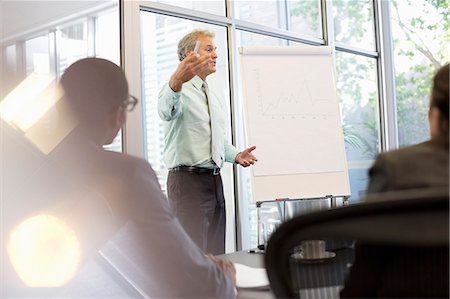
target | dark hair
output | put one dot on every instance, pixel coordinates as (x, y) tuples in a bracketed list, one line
[(93, 87), (440, 96)]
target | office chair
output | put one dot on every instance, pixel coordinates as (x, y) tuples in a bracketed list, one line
[(396, 219)]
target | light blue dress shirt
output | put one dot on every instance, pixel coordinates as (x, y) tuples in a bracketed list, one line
[(187, 126)]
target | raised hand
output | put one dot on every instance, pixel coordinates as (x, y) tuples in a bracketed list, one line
[(187, 69)]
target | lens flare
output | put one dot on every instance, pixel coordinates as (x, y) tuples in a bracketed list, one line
[(44, 251), (34, 108)]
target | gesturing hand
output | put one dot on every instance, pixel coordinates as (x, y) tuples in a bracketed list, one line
[(187, 69), (246, 158)]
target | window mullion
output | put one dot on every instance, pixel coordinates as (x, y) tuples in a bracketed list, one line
[(386, 75)]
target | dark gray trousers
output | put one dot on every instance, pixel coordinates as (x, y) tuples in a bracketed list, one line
[(198, 202)]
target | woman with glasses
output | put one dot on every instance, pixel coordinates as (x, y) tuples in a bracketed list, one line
[(155, 252)]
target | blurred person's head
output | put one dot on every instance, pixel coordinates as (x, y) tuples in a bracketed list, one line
[(96, 92), (439, 100)]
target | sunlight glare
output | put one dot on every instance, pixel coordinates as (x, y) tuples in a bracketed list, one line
[(29, 101), (44, 251)]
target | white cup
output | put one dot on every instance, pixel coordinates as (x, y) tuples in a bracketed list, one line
[(313, 249)]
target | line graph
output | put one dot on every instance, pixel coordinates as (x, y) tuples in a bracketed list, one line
[(296, 102), (292, 115)]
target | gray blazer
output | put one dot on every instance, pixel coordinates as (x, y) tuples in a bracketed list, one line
[(424, 165), (394, 272), (113, 202)]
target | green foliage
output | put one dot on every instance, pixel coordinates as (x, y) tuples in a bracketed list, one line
[(348, 18), (424, 58), (351, 136), (416, 57), (307, 10)]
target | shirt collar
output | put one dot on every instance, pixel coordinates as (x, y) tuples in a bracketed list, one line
[(197, 82)]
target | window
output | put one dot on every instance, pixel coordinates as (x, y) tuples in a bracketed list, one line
[(95, 34), (301, 17), (107, 46), (268, 13), (420, 34), (37, 53), (107, 35), (357, 91), (73, 44), (354, 29), (211, 6), (245, 38), (10, 72), (305, 17), (354, 23)]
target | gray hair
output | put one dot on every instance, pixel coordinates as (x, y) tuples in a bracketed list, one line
[(187, 43)]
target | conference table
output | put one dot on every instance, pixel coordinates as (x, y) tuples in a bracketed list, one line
[(255, 260), (314, 280)]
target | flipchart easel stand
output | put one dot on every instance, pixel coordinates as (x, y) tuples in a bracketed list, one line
[(270, 214)]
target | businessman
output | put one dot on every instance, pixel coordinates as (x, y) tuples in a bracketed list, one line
[(195, 143)]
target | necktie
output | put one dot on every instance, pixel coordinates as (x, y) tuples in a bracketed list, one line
[(216, 139)]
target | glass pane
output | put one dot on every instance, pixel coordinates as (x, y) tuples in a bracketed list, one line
[(107, 46), (38, 55), (357, 91), (107, 36), (305, 17), (245, 38), (212, 6), (268, 13), (421, 46), (9, 75), (297, 16), (73, 44), (354, 23)]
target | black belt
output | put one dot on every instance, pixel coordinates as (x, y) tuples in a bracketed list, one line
[(194, 169)]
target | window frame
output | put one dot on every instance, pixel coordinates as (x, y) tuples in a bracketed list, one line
[(131, 51)]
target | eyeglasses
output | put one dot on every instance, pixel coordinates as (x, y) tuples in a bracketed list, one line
[(130, 103)]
